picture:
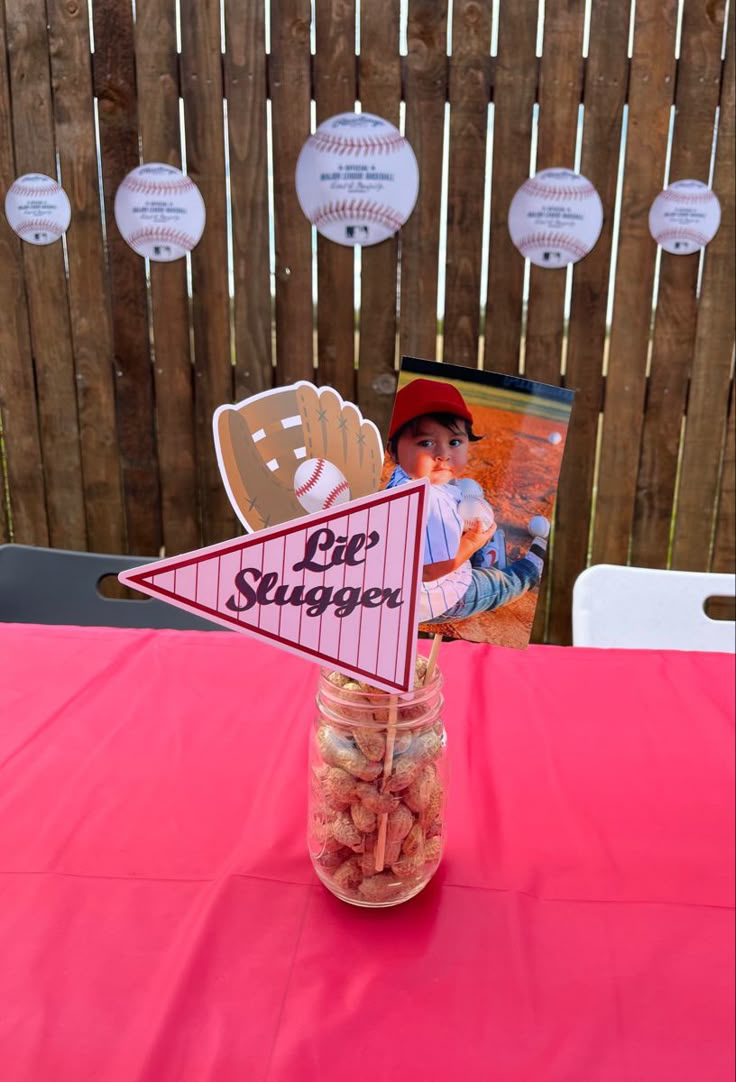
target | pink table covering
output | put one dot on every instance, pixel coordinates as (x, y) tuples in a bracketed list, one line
[(159, 920)]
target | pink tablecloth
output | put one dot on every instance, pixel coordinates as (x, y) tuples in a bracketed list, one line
[(159, 920)]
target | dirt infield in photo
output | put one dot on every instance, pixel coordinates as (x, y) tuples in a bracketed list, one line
[(517, 468)]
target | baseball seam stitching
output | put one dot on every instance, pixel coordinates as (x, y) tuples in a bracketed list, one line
[(533, 187), (26, 189), (311, 480), (332, 496), (155, 187), (383, 144), (169, 236), (673, 195), (40, 223), (346, 209), (557, 240), (683, 234)]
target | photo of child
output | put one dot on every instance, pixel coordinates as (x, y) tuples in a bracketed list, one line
[(442, 429)]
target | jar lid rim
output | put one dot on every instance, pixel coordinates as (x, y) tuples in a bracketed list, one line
[(379, 696)]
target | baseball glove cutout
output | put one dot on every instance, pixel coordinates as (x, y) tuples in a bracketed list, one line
[(261, 441)]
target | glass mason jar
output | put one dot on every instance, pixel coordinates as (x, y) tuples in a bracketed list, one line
[(377, 771)]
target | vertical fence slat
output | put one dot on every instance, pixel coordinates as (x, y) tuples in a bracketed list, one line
[(559, 100), (335, 83), (713, 354), (380, 93), (514, 89), (724, 549), (205, 140), (18, 407), (650, 98), (604, 94), (425, 83), (157, 73), (245, 89), (698, 85), (469, 97), (289, 79), (89, 310), (35, 151), (114, 81)]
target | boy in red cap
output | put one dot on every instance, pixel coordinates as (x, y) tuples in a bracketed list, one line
[(430, 436)]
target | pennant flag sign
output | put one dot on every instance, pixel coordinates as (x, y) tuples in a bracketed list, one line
[(339, 587)]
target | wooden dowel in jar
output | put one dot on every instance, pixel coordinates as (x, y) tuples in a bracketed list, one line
[(432, 659), (388, 761)]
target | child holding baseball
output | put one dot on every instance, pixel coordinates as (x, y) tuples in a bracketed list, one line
[(430, 436)]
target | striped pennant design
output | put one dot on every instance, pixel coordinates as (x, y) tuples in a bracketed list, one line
[(339, 586)]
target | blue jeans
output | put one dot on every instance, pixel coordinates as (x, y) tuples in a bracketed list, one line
[(490, 589)]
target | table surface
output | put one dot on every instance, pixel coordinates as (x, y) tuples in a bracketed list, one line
[(160, 921)]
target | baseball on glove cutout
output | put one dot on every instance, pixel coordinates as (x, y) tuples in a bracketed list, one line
[(319, 485), (295, 450)]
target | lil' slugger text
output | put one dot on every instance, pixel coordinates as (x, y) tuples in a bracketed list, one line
[(360, 562), (324, 551)]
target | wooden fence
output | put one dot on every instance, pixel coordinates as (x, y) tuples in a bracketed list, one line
[(108, 379)]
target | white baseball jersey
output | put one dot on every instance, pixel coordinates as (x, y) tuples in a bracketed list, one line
[(441, 539)]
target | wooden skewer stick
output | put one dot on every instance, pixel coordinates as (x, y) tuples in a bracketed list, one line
[(388, 758), (388, 761), (432, 659)]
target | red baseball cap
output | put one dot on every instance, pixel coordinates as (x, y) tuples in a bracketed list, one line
[(426, 396)]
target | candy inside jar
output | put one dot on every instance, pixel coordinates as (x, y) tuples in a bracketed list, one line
[(377, 788)]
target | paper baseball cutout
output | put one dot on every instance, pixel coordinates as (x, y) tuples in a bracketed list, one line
[(685, 217), (319, 485), (263, 442), (159, 212), (555, 218), (339, 587), (357, 179), (37, 208)]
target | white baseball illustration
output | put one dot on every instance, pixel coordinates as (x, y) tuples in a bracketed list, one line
[(319, 485), (555, 437), (37, 208), (159, 212), (357, 179), (555, 218), (475, 509), (685, 217)]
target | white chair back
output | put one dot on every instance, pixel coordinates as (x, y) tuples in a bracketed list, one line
[(647, 608)]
